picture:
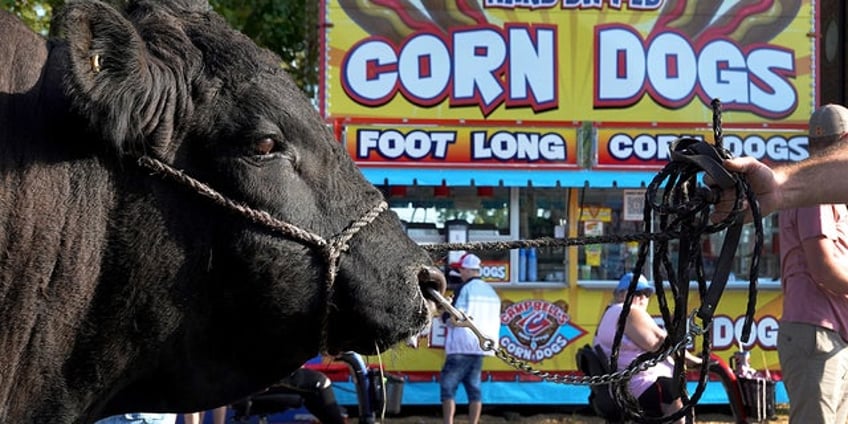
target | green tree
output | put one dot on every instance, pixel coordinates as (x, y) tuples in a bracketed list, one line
[(287, 27), (36, 14)]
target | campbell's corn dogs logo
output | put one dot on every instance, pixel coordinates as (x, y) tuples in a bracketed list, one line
[(537, 329)]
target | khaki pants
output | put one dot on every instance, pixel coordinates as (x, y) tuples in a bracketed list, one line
[(814, 362)]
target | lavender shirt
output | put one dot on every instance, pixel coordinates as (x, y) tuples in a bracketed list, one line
[(805, 301), (628, 352)]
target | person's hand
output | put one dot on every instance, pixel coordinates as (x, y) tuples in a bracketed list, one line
[(692, 360), (764, 182)]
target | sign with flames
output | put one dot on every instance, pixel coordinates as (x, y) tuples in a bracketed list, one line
[(568, 60)]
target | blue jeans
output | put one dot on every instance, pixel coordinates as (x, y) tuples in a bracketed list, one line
[(140, 418), (465, 369)]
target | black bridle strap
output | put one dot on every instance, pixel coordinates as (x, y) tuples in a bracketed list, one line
[(722, 271), (707, 158), (684, 212)]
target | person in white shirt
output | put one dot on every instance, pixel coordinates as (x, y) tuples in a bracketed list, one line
[(464, 356)]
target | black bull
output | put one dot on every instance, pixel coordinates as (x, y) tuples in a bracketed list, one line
[(122, 291)]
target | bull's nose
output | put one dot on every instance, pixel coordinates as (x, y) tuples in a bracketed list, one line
[(431, 278)]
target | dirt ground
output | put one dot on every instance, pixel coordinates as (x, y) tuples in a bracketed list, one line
[(552, 415)]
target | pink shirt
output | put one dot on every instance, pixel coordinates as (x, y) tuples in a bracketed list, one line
[(628, 352), (805, 301)]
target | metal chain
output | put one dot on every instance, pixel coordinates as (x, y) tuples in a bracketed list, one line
[(598, 380), (460, 319)]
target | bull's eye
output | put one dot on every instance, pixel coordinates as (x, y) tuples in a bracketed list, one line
[(264, 146)]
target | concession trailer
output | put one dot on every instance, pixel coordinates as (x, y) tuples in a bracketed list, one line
[(500, 120)]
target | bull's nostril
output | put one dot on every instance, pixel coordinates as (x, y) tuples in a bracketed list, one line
[(431, 278)]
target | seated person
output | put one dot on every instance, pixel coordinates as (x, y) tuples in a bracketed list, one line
[(140, 418), (317, 392), (313, 387), (654, 388), (219, 416)]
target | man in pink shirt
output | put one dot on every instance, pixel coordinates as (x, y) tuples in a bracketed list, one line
[(814, 270)]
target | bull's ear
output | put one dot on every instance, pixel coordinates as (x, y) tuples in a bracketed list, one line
[(109, 82)]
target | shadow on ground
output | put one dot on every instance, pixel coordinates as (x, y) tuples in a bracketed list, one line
[(546, 414)]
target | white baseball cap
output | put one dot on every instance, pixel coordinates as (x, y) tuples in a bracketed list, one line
[(470, 261)]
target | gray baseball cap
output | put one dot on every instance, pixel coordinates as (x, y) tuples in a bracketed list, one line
[(828, 123)]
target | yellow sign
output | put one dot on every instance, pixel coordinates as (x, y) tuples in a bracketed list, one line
[(510, 62), (575, 314), (591, 213), (593, 254)]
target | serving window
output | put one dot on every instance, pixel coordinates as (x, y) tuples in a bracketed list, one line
[(542, 212), (480, 214), (620, 211)]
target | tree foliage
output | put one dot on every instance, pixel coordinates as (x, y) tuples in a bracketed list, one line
[(287, 27), (36, 14)]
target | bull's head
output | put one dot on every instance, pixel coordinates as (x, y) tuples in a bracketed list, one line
[(244, 305)]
